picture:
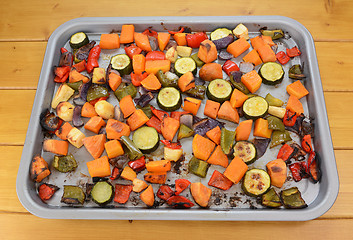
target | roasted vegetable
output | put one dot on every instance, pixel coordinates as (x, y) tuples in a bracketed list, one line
[(83, 52), (200, 193), (49, 121), (261, 146), (246, 151), (184, 132), (46, 191), (131, 149), (39, 169), (275, 123), (271, 199), (279, 137), (146, 139), (291, 198), (104, 109), (198, 167), (274, 34), (63, 94), (179, 202), (78, 40), (65, 111), (255, 107), (123, 91), (73, 195), (64, 163), (227, 140), (197, 92), (296, 72), (256, 182), (102, 193), (96, 92)]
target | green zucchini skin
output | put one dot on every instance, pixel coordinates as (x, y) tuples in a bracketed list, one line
[(184, 65), (146, 139), (256, 182), (99, 188), (78, 40), (246, 151), (169, 99), (271, 73), (219, 90), (122, 63), (255, 107)]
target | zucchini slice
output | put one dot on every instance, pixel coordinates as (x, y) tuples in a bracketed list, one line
[(146, 139), (184, 65), (271, 73), (78, 40), (256, 182), (169, 99), (220, 33), (102, 193), (246, 151), (219, 90), (121, 63), (255, 107)]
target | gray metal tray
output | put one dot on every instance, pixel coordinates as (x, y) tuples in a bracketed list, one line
[(224, 205)]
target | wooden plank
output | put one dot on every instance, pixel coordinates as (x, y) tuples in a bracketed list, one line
[(34, 227), (36, 20)]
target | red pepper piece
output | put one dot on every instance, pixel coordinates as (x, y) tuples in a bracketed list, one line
[(285, 152), (194, 40), (92, 61), (181, 185), (179, 202), (93, 102), (220, 181), (172, 145), (230, 66), (63, 79), (138, 165), (81, 66), (306, 143), (177, 115), (136, 78), (63, 50), (295, 168), (132, 50), (46, 191), (313, 167), (165, 192), (115, 173), (290, 118), (155, 55), (155, 123), (282, 57), (62, 71), (159, 113), (122, 193), (174, 32), (150, 32), (293, 52)]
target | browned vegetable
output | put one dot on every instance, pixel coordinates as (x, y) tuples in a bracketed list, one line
[(39, 169)]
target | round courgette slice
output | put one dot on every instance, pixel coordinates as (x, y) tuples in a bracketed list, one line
[(256, 182), (146, 139), (220, 33), (184, 65), (271, 73), (78, 40), (246, 151), (219, 90), (255, 107), (102, 192), (169, 99), (121, 63)]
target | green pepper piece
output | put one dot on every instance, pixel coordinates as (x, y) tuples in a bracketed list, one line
[(147, 110), (198, 167), (130, 148), (274, 34), (272, 101), (184, 132), (239, 85), (123, 91), (296, 72), (64, 163), (73, 195), (166, 82), (96, 91), (292, 198), (227, 140), (197, 92), (275, 123), (271, 199), (279, 137), (198, 61), (75, 85)]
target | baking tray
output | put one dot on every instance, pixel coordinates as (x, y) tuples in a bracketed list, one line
[(228, 205)]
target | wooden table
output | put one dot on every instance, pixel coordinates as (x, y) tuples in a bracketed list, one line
[(25, 29)]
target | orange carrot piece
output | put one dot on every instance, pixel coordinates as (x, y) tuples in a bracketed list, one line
[(148, 196), (202, 147), (127, 33), (297, 89), (264, 50), (95, 145), (142, 41), (137, 119), (88, 110), (238, 47), (75, 76), (252, 81), (261, 128), (158, 166), (113, 148), (95, 124), (169, 128), (186, 81), (207, 51), (277, 169), (218, 157), (227, 112), (153, 66), (238, 98), (55, 146), (295, 105), (253, 57), (127, 106), (200, 193), (211, 71), (99, 167), (180, 38), (236, 170), (215, 135), (163, 40), (128, 173), (268, 40), (115, 129), (39, 169), (151, 82), (211, 108), (114, 81), (138, 63), (155, 177), (63, 131), (109, 41), (243, 130), (191, 105)]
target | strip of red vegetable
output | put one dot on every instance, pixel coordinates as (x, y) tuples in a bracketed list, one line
[(165, 192), (46, 191), (285, 152), (138, 165), (306, 143), (172, 145), (290, 118), (122, 193), (293, 52), (81, 66), (174, 32), (220, 181), (155, 55), (132, 50), (194, 40), (177, 115), (155, 123), (136, 78), (115, 173), (179, 202), (230, 66), (159, 113), (150, 32), (282, 57), (181, 185), (92, 61)]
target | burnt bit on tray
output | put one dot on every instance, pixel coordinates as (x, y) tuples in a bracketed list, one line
[(233, 201), (219, 198), (178, 164)]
